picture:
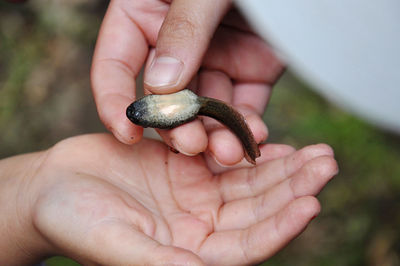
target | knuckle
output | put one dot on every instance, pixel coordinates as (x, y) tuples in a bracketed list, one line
[(179, 27), (323, 166)]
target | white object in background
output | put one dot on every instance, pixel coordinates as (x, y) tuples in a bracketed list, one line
[(348, 50)]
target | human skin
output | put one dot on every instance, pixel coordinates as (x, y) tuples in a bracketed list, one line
[(218, 55), (97, 200), (171, 110)]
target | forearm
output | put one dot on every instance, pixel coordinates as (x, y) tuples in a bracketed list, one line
[(20, 243)]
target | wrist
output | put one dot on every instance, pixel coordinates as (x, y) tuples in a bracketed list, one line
[(20, 243)]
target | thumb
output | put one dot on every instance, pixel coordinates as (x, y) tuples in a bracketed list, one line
[(182, 42), (117, 243)]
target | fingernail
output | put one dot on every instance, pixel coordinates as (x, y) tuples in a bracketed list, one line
[(178, 147), (163, 71), (215, 159)]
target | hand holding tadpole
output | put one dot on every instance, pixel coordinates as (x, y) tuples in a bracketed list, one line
[(203, 45)]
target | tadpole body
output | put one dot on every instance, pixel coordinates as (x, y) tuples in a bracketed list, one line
[(171, 110)]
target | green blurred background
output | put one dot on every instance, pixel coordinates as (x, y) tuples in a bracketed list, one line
[(45, 52)]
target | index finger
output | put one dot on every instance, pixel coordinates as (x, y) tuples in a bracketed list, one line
[(120, 52)]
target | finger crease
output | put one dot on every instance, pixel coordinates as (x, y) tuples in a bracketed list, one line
[(245, 245), (120, 64), (251, 180), (157, 203), (133, 21)]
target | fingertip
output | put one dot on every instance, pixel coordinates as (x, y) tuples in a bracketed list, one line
[(272, 151), (294, 219), (257, 127), (312, 177), (224, 147), (313, 209), (298, 159), (308, 207), (318, 150), (112, 112), (127, 133), (181, 44), (162, 74), (189, 139), (324, 166)]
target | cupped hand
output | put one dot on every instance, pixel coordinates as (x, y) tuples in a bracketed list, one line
[(100, 201), (204, 45)]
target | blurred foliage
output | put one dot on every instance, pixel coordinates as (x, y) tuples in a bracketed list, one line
[(61, 261), (45, 54), (359, 221), (46, 49)]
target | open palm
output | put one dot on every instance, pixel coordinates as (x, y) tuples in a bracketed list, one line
[(104, 202)]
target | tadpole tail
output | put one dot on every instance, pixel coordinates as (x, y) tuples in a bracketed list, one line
[(235, 121)]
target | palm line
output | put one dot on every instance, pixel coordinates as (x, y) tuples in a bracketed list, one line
[(149, 188)]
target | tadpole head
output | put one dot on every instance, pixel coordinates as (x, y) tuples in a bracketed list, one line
[(136, 112)]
